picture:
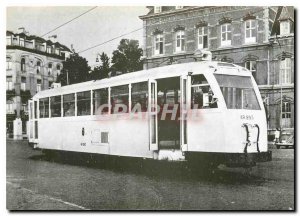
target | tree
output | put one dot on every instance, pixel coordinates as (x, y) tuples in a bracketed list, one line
[(75, 70), (101, 72), (127, 58)]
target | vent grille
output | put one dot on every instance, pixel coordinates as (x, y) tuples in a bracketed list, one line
[(104, 137)]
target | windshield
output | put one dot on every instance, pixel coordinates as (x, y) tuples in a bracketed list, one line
[(238, 92)]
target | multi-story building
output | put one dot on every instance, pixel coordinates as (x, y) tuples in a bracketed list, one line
[(258, 38), (32, 65)]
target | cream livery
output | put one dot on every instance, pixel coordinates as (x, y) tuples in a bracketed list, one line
[(201, 111)]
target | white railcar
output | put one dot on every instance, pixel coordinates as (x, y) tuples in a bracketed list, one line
[(210, 111)]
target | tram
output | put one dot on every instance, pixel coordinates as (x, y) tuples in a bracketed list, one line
[(200, 111)]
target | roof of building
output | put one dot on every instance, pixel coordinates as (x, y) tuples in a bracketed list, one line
[(283, 13), (37, 38)]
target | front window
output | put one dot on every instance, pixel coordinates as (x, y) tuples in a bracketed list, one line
[(238, 92), (226, 34), (251, 66), (159, 44), (250, 28), (202, 96), (178, 7), (180, 41), (58, 68), (202, 37), (285, 71), (83, 103)]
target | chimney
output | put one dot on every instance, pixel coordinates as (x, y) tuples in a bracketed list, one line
[(53, 38), (21, 30)]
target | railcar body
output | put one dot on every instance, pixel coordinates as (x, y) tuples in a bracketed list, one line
[(201, 110)]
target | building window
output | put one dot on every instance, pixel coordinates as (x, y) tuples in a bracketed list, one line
[(8, 63), (23, 83), (285, 71), (48, 49), (9, 107), (8, 40), (250, 31), (23, 68), (9, 83), (226, 34), (39, 85), (251, 66), (178, 7), (159, 44), (22, 43), (49, 68), (203, 37), (157, 9), (285, 27), (286, 114), (57, 51), (58, 68), (38, 67), (180, 41)]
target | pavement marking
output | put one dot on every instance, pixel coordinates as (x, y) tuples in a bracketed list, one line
[(48, 197)]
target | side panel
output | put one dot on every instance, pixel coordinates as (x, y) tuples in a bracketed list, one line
[(116, 137)]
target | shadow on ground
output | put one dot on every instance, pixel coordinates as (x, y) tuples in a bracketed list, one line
[(181, 171)]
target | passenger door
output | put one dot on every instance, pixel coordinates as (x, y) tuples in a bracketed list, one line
[(152, 114)]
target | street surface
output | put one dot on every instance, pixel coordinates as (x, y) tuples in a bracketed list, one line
[(37, 182)]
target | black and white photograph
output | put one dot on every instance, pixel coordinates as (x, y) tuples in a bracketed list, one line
[(150, 108)]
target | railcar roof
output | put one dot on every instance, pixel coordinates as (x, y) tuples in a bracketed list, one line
[(154, 73)]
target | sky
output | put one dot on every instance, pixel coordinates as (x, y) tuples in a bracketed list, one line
[(94, 27)]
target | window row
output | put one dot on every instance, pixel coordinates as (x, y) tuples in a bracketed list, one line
[(203, 36), (38, 66), (81, 102)]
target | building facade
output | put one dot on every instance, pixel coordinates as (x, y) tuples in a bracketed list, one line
[(258, 38), (32, 65)]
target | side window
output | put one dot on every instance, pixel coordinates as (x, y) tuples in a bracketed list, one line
[(100, 101), (55, 106), (139, 97), (119, 99), (202, 97), (44, 107), (69, 105), (83, 103)]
